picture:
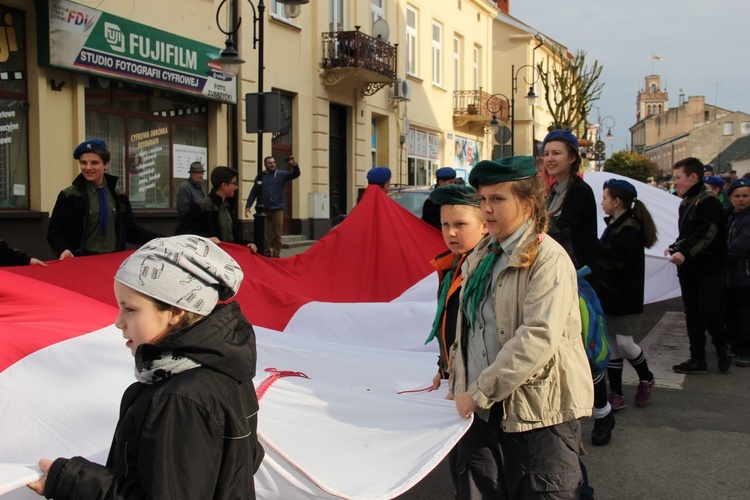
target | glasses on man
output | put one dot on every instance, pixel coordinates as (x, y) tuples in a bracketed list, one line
[(235, 183)]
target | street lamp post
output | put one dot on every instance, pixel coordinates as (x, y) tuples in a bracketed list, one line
[(531, 97), (494, 124), (609, 128), (230, 66)]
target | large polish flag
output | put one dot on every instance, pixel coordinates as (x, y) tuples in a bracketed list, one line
[(344, 323)]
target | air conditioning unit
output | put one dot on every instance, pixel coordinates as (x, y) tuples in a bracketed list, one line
[(402, 89)]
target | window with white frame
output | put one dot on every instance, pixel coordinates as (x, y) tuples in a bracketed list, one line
[(457, 69), (377, 9), (411, 41), (476, 67), (728, 128), (338, 15), (437, 53), (277, 10)]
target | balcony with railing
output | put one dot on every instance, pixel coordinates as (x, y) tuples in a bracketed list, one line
[(359, 59), (478, 106)]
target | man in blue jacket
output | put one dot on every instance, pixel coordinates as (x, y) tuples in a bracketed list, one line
[(274, 181)]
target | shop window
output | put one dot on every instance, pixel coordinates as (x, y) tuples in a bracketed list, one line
[(14, 105), (153, 136)]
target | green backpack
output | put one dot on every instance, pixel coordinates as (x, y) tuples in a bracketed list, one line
[(593, 324)]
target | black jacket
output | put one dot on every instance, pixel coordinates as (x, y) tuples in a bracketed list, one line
[(622, 266), (431, 214), (703, 233), (576, 228), (190, 436), (67, 224), (12, 257), (202, 218), (738, 249)]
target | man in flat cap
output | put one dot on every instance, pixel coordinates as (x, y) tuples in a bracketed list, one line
[(192, 189), (92, 216), (444, 176)]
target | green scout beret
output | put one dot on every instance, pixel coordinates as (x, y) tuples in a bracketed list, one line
[(510, 168), (454, 194)]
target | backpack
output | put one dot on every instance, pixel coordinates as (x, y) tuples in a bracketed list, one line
[(593, 324)]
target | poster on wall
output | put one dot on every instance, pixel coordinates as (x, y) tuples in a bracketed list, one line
[(148, 167), (468, 154), (85, 39), (183, 155)]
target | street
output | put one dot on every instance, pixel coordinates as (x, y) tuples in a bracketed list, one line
[(690, 442)]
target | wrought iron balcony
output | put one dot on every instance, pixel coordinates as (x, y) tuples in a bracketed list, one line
[(478, 106), (360, 58)]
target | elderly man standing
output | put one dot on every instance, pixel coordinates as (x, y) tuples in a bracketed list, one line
[(274, 182), (192, 189)]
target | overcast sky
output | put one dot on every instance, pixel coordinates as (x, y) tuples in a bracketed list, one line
[(704, 46)]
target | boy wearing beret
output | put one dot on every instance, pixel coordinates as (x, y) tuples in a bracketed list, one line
[(380, 176), (445, 176), (92, 216), (737, 293)]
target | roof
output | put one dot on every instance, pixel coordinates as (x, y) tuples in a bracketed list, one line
[(738, 150)]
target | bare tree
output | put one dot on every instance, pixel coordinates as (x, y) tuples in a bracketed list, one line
[(570, 87)]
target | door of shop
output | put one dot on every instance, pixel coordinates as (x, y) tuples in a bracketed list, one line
[(337, 161)]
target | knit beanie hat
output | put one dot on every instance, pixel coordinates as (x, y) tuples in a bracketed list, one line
[(186, 271)]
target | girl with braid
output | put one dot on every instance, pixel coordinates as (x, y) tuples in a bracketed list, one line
[(622, 265), (518, 366)]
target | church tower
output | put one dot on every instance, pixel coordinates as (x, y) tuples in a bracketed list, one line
[(652, 100)]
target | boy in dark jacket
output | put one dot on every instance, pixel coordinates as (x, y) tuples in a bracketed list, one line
[(92, 216), (188, 426), (700, 256), (737, 293), (215, 216)]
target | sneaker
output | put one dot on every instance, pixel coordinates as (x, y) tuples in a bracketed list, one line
[(725, 361), (742, 361), (616, 401), (602, 432), (690, 366), (643, 393)]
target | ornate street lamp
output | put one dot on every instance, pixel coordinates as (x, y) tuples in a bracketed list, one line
[(230, 65), (609, 135), (530, 97)]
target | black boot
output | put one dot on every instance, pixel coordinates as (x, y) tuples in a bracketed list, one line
[(602, 432), (725, 360)]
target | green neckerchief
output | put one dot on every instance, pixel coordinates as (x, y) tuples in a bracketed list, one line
[(442, 297), (478, 283)]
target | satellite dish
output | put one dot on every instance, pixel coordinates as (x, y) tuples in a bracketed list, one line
[(381, 30)]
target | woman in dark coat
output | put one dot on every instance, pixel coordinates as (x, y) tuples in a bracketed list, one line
[(572, 210)]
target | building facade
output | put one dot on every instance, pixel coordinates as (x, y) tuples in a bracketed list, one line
[(123, 73), (403, 83), (667, 135)]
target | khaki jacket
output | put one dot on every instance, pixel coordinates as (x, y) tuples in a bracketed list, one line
[(541, 374)]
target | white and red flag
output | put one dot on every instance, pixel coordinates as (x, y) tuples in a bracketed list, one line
[(344, 322)]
